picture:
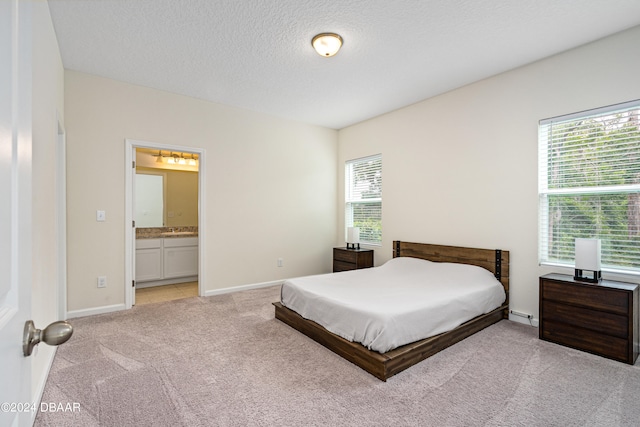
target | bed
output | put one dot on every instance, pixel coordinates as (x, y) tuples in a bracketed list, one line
[(384, 364)]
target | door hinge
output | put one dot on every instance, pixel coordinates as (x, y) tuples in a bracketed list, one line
[(133, 283), (133, 223), (133, 164)]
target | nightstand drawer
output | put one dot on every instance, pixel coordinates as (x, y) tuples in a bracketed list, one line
[(351, 259), (344, 255), (606, 299), (585, 340), (598, 321), (600, 318), (343, 266)]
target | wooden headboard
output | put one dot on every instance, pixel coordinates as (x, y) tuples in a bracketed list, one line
[(494, 260)]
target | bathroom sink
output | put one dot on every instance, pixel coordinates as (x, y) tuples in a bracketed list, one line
[(178, 233)]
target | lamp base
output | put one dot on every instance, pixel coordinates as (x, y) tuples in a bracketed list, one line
[(578, 275)]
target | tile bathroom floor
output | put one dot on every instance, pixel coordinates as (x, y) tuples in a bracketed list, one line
[(166, 293)]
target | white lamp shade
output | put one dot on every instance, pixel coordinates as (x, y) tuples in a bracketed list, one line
[(588, 254), (353, 235)]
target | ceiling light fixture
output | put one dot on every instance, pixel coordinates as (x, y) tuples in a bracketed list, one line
[(327, 44)]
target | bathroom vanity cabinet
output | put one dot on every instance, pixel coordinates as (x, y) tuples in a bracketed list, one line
[(166, 260), (149, 260), (180, 257)]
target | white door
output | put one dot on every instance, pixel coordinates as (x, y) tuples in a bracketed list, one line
[(15, 210), (133, 255)]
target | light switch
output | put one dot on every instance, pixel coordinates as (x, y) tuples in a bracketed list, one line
[(101, 216), (102, 281)]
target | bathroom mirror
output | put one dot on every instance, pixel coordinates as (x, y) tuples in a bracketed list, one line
[(149, 200), (166, 198)]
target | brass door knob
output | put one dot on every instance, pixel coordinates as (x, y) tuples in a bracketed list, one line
[(55, 334)]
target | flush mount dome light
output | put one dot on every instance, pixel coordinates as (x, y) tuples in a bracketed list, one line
[(327, 44)]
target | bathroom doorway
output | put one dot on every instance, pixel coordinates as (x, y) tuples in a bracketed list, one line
[(165, 209)]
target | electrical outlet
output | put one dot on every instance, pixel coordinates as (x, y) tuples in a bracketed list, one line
[(102, 281), (280, 262)]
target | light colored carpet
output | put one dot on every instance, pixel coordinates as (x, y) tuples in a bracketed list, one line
[(225, 361)]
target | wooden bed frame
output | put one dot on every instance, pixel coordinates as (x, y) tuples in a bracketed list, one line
[(390, 363)]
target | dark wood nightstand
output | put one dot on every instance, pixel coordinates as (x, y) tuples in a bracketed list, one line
[(599, 318), (351, 259)]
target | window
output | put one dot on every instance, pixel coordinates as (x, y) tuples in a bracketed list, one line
[(589, 185), (363, 198)]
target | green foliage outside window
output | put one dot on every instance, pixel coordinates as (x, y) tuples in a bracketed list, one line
[(591, 188)]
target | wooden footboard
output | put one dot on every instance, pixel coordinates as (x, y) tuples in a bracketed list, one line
[(387, 364), (390, 363)]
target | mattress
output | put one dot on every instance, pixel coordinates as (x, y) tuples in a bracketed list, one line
[(404, 300)]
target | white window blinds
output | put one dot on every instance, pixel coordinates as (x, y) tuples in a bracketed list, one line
[(589, 185), (363, 197)]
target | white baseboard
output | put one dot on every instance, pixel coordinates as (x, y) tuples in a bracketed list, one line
[(119, 307), (95, 310), (242, 288)]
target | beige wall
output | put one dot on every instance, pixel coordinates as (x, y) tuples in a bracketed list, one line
[(461, 168), (48, 104), (182, 198), (270, 186)]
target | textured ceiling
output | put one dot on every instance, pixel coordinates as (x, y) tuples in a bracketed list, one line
[(257, 54)]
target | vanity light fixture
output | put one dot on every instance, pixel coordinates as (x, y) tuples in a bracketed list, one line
[(174, 158), (327, 44)]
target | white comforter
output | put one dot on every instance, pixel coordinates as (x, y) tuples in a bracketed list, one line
[(402, 301)]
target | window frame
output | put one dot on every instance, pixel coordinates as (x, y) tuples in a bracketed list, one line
[(585, 190), (351, 200)]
